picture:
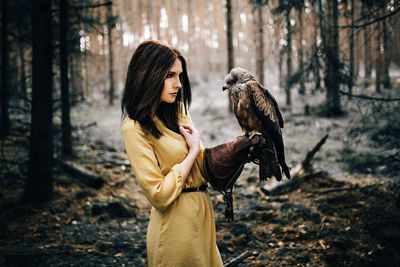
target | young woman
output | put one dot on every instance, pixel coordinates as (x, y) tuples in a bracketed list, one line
[(167, 156)]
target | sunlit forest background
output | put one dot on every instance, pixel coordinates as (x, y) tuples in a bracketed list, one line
[(66, 186)]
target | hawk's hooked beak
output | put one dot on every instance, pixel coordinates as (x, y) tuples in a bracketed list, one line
[(224, 87)]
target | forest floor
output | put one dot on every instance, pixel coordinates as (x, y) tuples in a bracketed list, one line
[(333, 217)]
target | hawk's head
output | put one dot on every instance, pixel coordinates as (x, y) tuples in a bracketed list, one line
[(236, 76)]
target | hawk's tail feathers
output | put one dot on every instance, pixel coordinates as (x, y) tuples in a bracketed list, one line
[(285, 170)]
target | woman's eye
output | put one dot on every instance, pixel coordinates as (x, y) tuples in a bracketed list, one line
[(169, 75)]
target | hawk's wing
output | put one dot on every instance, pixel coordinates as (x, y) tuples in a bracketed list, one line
[(265, 106), (274, 103)]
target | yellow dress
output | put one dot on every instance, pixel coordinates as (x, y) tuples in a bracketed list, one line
[(181, 229)]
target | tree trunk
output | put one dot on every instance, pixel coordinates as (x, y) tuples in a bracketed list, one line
[(156, 15), (367, 54), (322, 34), (148, 5), (139, 16), (22, 87), (39, 186), (104, 61), (4, 95), (22, 78), (229, 39), (357, 53), (74, 98), (259, 43), (351, 51), (66, 139), (367, 47), (332, 78), (280, 66), (317, 48), (110, 57), (77, 76), (302, 89), (385, 58), (378, 57), (288, 58), (231, 61), (87, 92)]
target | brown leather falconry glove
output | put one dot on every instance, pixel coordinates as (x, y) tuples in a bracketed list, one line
[(224, 163)]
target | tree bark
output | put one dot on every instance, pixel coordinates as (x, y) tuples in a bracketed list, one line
[(280, 67), (378, 57), (87, 92), (332, 78), (259, 44), (356, 14), (4, 95), (39, 186), (386, 58), (20, 26), (110, 57), (288, 58), (156, 15), (302, 89), (66, 129), (317, 48), (351, 51), (22, 78), (229, 39), (367, 47), (77, 75)]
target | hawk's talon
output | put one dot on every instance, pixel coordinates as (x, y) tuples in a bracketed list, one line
[(253, 133)]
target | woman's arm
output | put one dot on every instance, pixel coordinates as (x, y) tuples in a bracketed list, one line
[(159, 188), (192, 138)]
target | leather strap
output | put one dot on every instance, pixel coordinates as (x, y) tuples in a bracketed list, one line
[(201, 188)]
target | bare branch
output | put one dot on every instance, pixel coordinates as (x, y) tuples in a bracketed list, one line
[(84, 126), (371, 97), (108, 3), (307, 161), (238, 259), (370, 22)]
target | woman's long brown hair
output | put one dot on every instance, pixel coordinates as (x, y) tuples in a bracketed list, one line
[(147, 71)]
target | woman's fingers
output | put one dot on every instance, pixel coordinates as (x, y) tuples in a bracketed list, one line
[(188, 128), (183, 131), (191, 136)]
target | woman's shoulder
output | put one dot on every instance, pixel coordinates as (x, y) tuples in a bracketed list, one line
[(131, 127)]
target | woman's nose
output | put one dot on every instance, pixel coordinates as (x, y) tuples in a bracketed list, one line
[(178, 83)]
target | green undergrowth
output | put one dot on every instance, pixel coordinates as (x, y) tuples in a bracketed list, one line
[(360, 161), (373, 144)]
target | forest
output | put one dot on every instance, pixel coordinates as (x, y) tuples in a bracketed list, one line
[(68, 196)]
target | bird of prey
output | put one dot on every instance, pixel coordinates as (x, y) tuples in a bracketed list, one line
[(257, 111)]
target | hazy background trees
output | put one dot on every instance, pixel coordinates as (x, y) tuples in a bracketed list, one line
[(78, 52)]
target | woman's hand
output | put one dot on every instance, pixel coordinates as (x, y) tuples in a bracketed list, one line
[(192, 138)]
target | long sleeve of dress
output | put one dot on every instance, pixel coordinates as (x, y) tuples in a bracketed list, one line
[(160, 189), (200, 158)]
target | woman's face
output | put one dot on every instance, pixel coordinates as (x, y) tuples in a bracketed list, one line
[(172, 84)]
